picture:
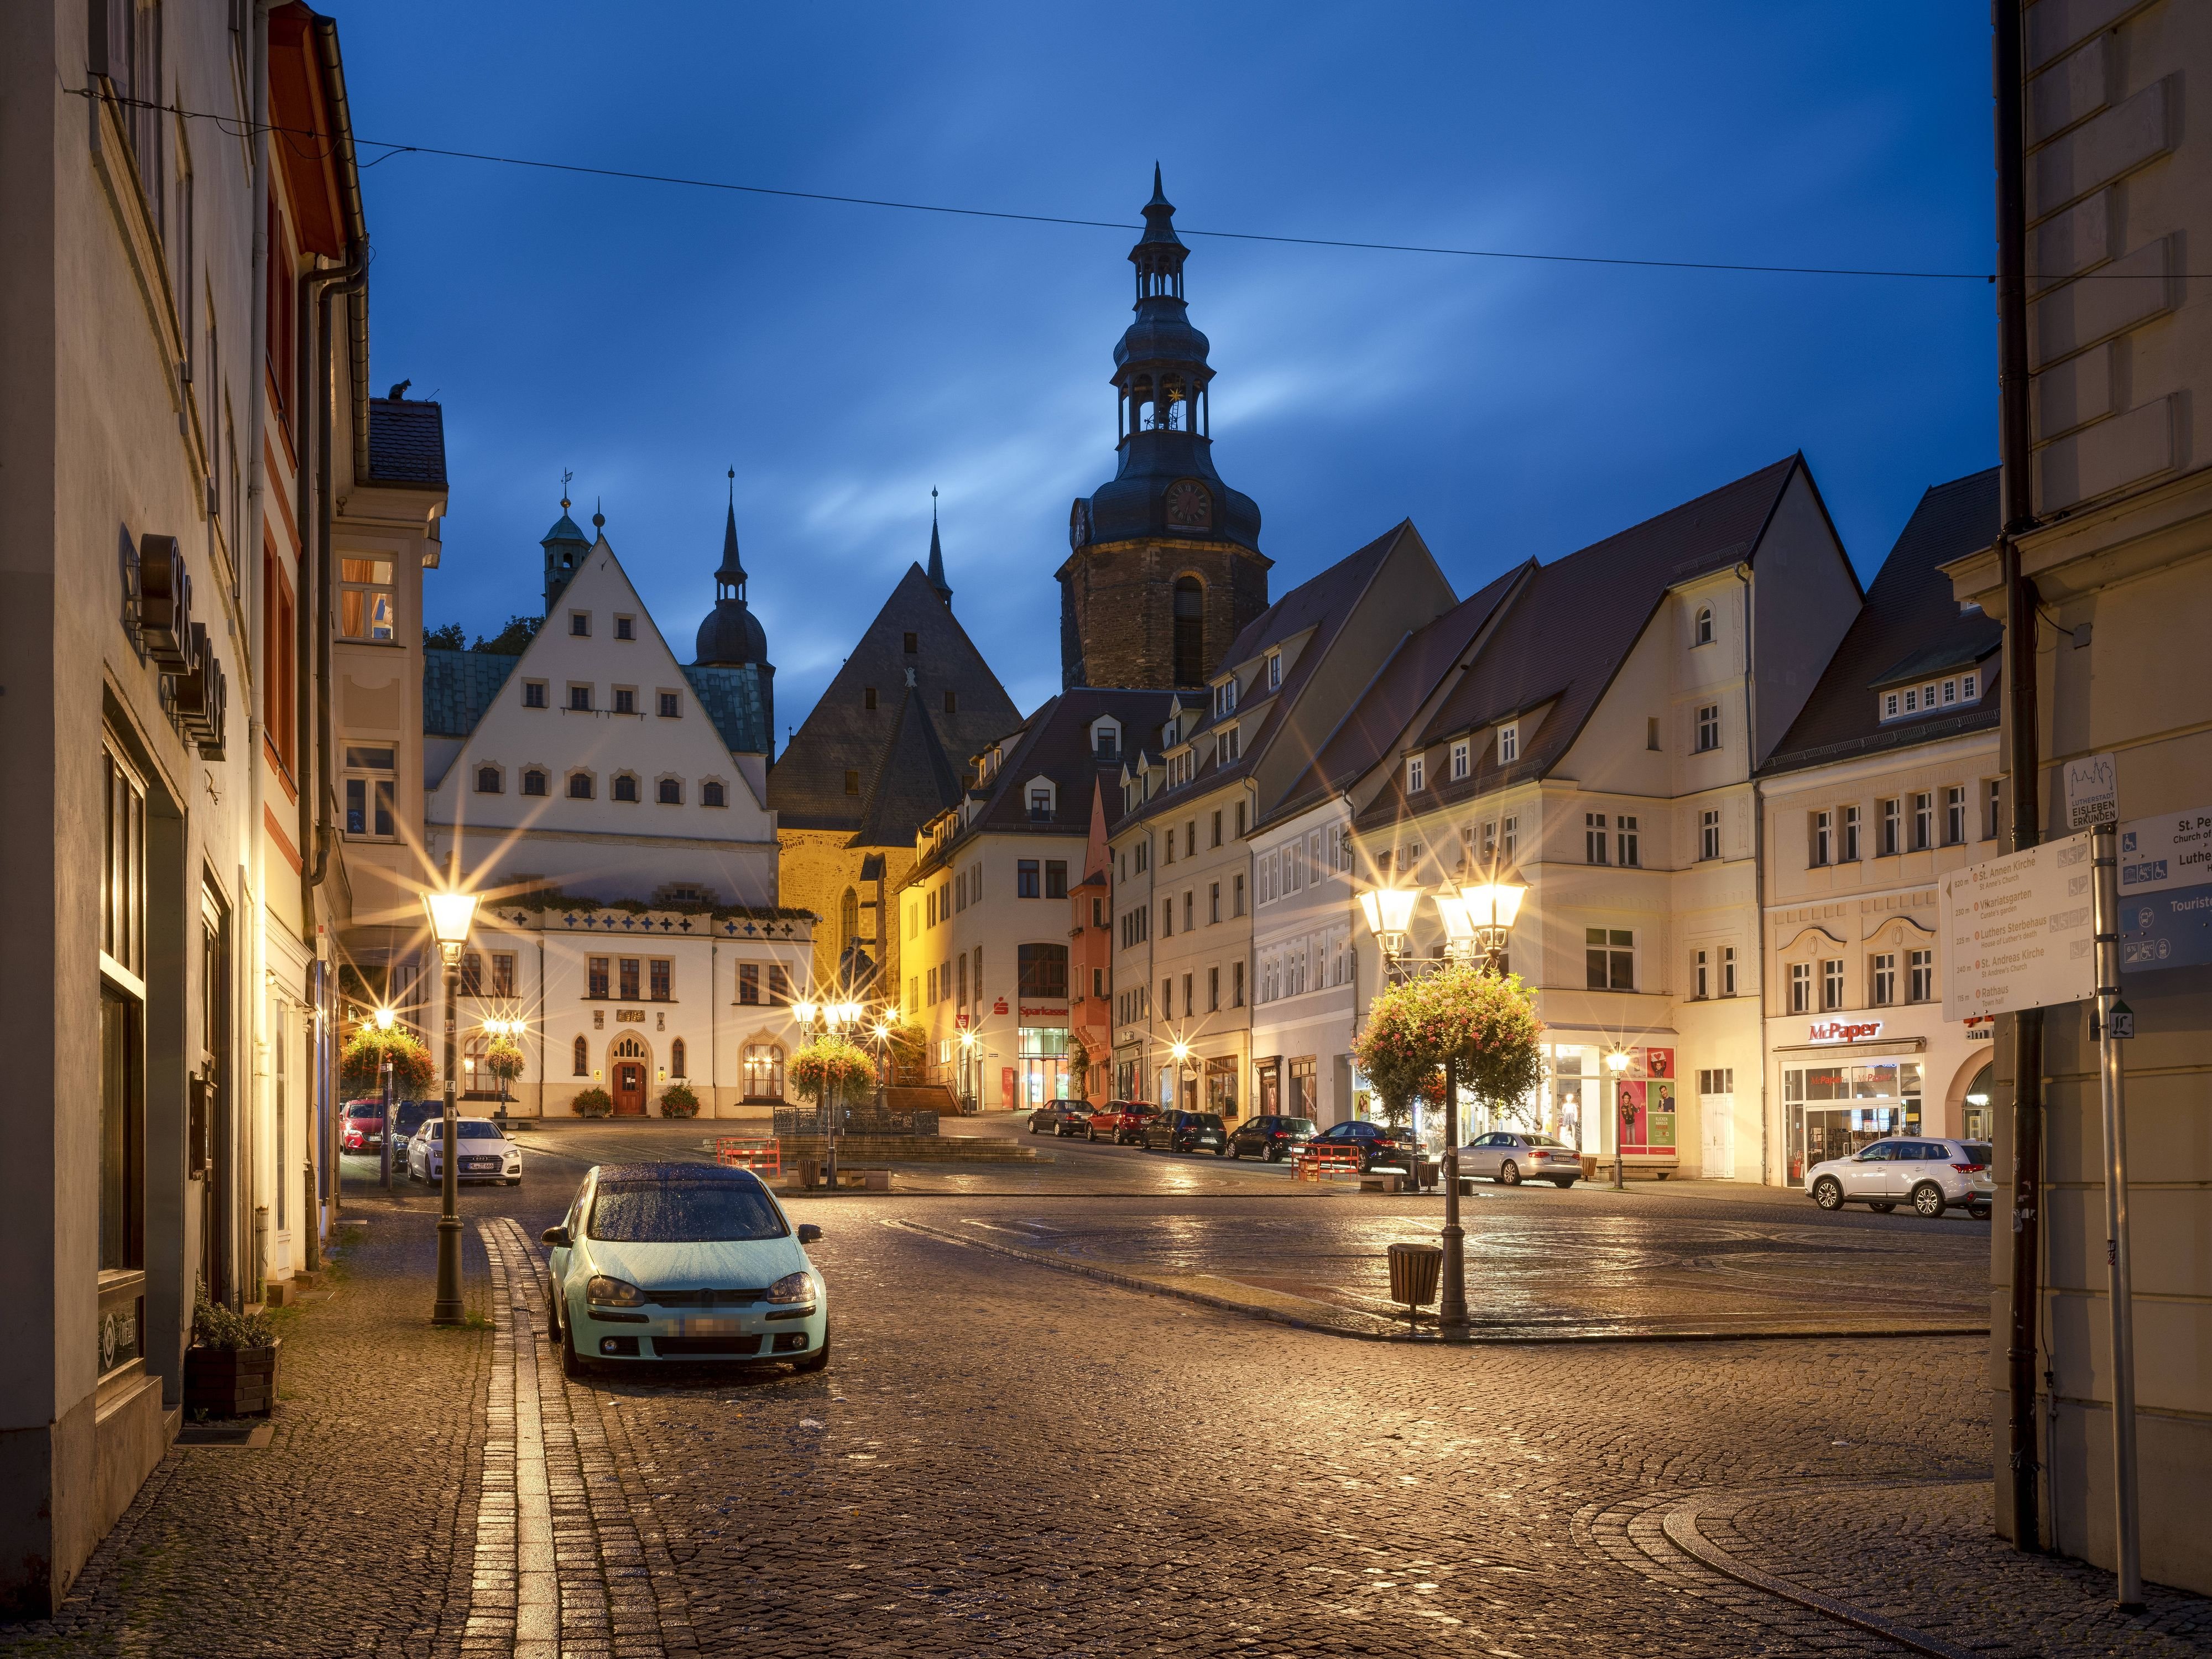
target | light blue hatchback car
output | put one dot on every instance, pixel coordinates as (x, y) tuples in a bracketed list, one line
[(683, 1261)]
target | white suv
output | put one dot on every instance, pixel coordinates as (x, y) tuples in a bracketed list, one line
[(1931, 1176)]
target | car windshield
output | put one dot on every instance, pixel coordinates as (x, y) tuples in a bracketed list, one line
[(478, 1128), (683, 1212), (365, 1108)]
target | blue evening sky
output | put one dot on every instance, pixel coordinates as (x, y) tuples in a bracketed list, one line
[(846, 359)]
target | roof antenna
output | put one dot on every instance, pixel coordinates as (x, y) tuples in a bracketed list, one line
[(565, 476)]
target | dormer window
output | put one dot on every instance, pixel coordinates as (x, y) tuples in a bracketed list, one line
[(1948, 693), (1274, 670), (1509, 744), (1227, 745), (1459, 759), (1042, 803), (1106, 740), (1225, 698), (1417, 774)]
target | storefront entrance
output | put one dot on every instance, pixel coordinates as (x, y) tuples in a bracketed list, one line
[(1043, 1058), (1832, 1111)]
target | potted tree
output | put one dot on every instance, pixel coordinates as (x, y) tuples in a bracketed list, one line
[(593, 1102), (230, 1369), (360, 1063), (503, 1060), (677, 1100)]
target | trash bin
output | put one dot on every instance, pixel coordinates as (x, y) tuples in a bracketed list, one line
[(1414, 1272), (1427, 1172)]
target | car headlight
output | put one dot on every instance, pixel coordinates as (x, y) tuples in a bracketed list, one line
[(612, 1292), (792, 1287)]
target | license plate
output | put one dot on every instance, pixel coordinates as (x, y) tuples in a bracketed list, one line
[(709, 1325)]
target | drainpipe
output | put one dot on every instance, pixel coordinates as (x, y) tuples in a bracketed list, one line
[(247, 535), (2013, 440)]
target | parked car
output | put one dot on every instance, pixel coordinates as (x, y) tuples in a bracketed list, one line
[(1931, 1176), (1062, 1118), (683, 1261), (1510, 1157), (1271, 1138), (364, 1126), (1186, 1132), (408, 1116), (1121, 1121), (1390, 1149), (486, 1153)]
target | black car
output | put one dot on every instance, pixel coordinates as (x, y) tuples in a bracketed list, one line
[(1062, 1118), (1391, 1149), (1271, 1138), (408, 1116), (1186, 1132)]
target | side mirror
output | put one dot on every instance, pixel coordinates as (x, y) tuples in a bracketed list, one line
[(809, 1233), (556, 1236)]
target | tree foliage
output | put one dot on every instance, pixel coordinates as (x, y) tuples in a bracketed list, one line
[(1484, 1023), (503, 1060), (829, 1068), (360, 1064), (511, 640)]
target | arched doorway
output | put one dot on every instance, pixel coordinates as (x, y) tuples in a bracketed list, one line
[(626, 1065)]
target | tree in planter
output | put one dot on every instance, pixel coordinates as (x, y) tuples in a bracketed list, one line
[(593, 1102), (503, 1060), (677, 1101), (829, 1069), (360, 1064)]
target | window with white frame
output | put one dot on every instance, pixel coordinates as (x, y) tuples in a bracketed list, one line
[(1628, 840), (1595, 848), (1849, 852), (1801, 987), (1709, 726), (366, 608), (1881, 978), (1831, 983), (1955, 815), (1509, 744), (1274, 670), (371, 790), (1225, 697), (1923, 821), (1992, 809), (1509, 837), (1228, 746), (1820, 852), (1727, 970), (1704, 635), (1920, 986), (1700, 974), (1416, 774), (1709, 833), (1890, 842)]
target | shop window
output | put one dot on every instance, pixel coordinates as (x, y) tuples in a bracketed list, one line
[(365, 600), (1609, 958)]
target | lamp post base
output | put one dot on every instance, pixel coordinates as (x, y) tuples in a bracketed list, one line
[(446, 1308)]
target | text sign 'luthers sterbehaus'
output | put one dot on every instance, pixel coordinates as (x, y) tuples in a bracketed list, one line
[(2019, 930), (2166, 891)]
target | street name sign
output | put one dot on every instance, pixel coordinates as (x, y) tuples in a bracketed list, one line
[(2166, 891), (2020, 931), (2093, 791)]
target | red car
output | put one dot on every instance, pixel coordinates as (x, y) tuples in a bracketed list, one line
[(364, 1126), (1121, 1121)]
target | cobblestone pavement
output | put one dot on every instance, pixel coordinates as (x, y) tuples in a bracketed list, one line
[(1005, 1460)]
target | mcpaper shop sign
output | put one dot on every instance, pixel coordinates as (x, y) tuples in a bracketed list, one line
[(1843, 1030)]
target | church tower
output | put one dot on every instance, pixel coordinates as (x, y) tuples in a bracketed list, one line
[(1164, 568)]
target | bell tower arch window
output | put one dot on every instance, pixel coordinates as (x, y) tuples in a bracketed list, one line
[(1189, 631)]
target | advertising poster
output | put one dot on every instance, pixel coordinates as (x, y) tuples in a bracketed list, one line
[(1659, 1113), (1629, 1113)]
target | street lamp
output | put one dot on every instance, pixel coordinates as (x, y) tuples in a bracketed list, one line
[(1388, 911), (1616, 1061), (969, 1037), (496, 1029), (384, 1023), (451, 913), (1491, 907)]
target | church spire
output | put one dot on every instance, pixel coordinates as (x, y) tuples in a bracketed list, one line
[(730, 578), (937, 557)]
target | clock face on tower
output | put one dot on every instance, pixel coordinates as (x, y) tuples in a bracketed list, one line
[(1190, 506)]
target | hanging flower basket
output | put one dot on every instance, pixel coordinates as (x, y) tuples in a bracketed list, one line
[(503, 1060), (360, 1064), (829, 1068)]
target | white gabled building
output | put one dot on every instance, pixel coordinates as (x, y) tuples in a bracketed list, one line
[(610, 803)]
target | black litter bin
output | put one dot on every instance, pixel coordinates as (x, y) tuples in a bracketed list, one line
[(1414, 1272)]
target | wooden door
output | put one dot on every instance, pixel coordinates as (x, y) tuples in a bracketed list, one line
[(629, 1089)]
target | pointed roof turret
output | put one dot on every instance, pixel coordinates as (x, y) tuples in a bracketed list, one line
[(732, 635), (936, 557), (565, 546)]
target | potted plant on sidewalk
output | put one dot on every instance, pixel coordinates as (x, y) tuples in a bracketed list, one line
[(677, 1100), (593, 1102), (230, 1370)]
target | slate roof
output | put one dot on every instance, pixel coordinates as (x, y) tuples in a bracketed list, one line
[(1323, 603), (406, 443), (1376, 723), (739, 701), (458, 686), (914, 780), (1910, 626), (1056, 743), (1569, 629), (807, 788)]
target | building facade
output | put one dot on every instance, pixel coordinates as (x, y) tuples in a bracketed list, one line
[(606, 801), (1886, 780)]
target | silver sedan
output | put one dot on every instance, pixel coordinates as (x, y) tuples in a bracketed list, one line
[(1510, 1157)]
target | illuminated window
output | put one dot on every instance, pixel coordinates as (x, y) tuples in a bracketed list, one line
[(365, 602)]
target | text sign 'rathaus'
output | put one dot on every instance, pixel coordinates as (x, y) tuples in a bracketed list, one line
[(2020, 930)]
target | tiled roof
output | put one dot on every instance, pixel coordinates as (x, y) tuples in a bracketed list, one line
[(914, 780), (734, 700), (406, 443), (1376, 723), (1056, 745), (1910, 625), (458, 686), (807, 788)]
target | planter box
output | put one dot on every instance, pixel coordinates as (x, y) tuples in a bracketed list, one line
[(231, 1382)]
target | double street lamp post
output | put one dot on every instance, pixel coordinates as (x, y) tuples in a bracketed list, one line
[(451, 913), (1478, 922), (384, 1023), (832, 1017)]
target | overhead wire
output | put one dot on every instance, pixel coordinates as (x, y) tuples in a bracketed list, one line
[(234, 126)]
